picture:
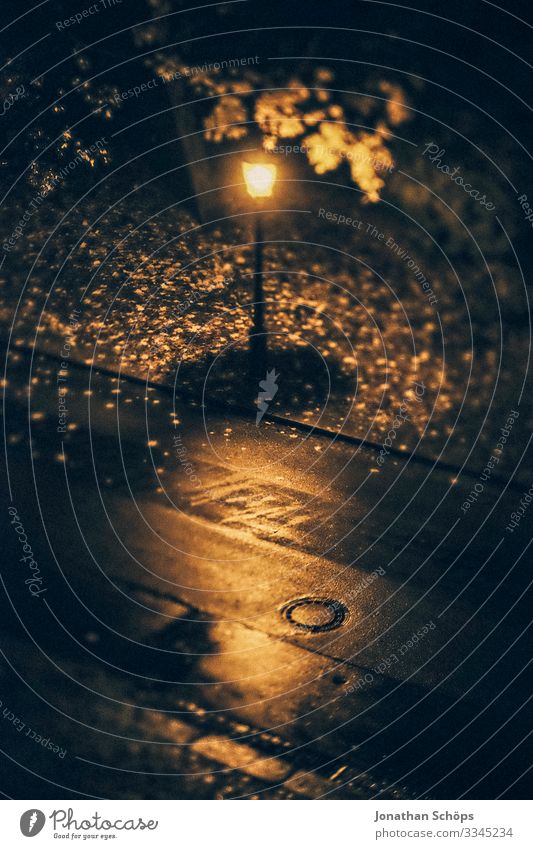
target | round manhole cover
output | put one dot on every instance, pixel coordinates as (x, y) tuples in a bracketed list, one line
[(315, 614)]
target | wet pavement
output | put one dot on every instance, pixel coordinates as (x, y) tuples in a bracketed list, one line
[(229, 610)]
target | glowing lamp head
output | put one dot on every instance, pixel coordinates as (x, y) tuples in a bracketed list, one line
[(259, 179)]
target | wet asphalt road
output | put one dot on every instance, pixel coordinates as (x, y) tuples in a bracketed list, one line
[(171, 538)]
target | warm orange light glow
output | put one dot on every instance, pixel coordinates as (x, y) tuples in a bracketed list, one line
[(259, 179)]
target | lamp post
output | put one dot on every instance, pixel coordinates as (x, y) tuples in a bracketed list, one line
[(259, 179)]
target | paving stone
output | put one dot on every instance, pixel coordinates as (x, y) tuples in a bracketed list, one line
[(309, 784), (242, 757)]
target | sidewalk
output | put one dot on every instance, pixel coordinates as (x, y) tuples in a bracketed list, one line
[(165, 642)]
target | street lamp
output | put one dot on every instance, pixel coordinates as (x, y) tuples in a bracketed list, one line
[(259, 179)]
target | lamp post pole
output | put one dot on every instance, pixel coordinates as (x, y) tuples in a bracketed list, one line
[(258, 346), (259, 178)]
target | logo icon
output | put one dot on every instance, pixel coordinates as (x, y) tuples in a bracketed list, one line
[(32, 822), (268, 388)]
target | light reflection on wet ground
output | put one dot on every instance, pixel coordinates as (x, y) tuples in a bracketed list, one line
[(176, 634)]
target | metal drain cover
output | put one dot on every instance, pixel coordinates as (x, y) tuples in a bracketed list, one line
[(314, 614)]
